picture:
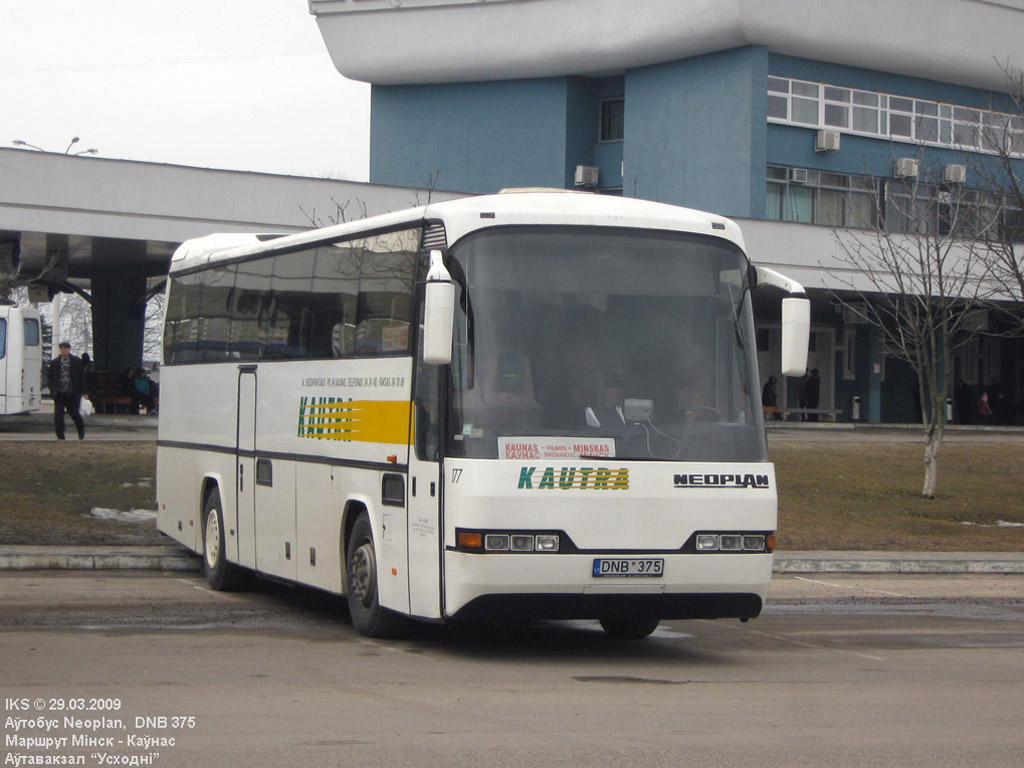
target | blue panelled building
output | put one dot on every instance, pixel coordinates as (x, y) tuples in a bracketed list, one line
[(797, 119)]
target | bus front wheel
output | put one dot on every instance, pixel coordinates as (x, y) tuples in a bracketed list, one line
[(368, 617), (629, 629), (220, 574)]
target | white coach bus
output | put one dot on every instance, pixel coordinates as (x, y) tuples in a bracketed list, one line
[(534, 404), (21, 360)]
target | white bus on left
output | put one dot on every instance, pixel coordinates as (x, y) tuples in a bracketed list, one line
[(21, 359)]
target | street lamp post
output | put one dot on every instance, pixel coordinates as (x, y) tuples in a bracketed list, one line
[(67, 150)]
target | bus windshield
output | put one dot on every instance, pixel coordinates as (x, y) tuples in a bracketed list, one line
[(593, 343)]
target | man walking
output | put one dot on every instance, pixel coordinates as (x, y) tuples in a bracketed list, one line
[(67, 383)]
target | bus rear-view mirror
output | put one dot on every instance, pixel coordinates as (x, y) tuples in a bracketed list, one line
[(438, 313), (796, 335)]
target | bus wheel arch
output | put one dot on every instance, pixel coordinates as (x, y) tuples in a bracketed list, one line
[(361, 577), (353, 509), (220, 574)]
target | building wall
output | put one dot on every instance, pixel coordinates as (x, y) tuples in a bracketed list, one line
[(482, 137), (478, 137), (696, 132)]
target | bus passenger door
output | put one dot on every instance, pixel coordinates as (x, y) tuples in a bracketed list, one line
[(424, 497), (245, 470)]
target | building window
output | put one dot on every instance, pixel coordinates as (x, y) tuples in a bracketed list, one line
[(839, 200), (778, 98), (816, 197), (946, 211), (885, 116), (613, 113)]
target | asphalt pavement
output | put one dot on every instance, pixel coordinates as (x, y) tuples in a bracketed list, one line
[(119, 427)]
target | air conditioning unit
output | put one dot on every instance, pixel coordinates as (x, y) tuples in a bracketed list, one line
[(826, 141), (586, 175), (906, 168), (798, 175), (954, 174)]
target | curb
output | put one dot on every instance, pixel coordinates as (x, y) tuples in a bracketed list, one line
[(899, 562), (172, 558), (99, 558)]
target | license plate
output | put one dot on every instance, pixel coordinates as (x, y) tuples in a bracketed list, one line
[(631, 566)]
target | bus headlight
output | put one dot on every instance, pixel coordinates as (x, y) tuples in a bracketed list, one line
[(707, 542), (522, 543), (547, 543), (496, 542), (506, 541), (754, 543), (734, 542)]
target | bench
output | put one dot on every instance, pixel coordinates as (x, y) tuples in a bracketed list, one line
[(829, 414), (110, 395)]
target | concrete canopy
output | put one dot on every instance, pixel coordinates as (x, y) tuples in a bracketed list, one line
[(109, 227)]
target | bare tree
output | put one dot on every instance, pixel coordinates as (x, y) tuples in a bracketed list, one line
[(428, 184), (9, 258), (919, 278), (999, 170), (339, 215), (12, 277)]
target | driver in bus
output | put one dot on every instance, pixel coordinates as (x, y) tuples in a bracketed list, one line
[(586, 395)]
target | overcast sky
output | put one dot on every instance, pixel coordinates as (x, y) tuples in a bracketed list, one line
[(237, 84)]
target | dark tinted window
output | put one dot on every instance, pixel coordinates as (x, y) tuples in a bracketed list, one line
[(348, 298), (613, 114)]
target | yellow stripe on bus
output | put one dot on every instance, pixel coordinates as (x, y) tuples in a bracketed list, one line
[(363, 421)]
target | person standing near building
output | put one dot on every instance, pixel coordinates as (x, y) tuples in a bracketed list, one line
[(770, 398), (67, 384), (812, 394)]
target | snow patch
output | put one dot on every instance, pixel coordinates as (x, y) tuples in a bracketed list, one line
[(132, 516)]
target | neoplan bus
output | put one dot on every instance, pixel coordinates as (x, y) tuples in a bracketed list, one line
[(534, 404), (21, 360)]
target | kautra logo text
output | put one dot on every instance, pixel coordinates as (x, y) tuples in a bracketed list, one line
[(574, 478)]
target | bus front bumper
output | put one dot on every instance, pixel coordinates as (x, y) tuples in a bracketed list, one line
[(552, 586)]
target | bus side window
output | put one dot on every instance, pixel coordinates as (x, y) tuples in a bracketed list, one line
[(336, 287), (386, 278), (31, 332)]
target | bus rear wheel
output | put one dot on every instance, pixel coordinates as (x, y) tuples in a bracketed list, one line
[(629, 629), (368, 616), (220, 574)]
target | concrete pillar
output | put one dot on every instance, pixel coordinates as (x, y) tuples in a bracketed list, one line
[(118, 281), (118, 320)]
